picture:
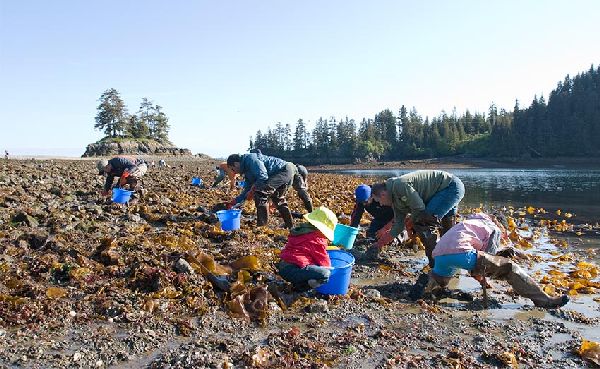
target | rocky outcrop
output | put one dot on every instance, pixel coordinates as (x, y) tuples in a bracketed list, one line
[(146, 147)]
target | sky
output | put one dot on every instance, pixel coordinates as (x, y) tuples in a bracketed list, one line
[(222, 70)]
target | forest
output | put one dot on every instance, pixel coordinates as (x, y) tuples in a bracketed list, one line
[(566, 125)]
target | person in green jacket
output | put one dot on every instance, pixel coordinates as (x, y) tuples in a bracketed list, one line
[(431, 197)]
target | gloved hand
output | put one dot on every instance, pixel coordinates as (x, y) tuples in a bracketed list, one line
[(386, 228), (384, 239), (424, 217), (507, 253), (104, 193), (409, 226), (250, 194), (231, 204), (123, 178)]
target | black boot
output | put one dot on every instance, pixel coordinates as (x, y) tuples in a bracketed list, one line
[(262, 215), (286, 215), (427, 233)]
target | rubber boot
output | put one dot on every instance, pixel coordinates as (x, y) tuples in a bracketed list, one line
[(284, 210), (307, 203), (262, 215), (428, 236), (499, 267), (447, 222)]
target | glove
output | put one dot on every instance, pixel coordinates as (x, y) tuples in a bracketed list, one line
[(104, 193), (231, 204), (507, 253), (409, 226), (386, 228), (424, 217), (385, 239), (250, 194), (123, 178)]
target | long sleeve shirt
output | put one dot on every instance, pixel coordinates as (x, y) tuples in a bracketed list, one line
[(471, 234), (256, 169), (411, 192), (118, 165), (379, 212)]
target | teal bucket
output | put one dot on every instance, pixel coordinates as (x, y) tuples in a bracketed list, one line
[(230, 219), (344, 236), (339, 280), (196, 181), (121, 196)]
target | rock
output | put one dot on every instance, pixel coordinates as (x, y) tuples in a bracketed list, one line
[(319, 307), (35, 240), (146, 147), (372, 293), (182, 266), (134, 217), (23, 217)]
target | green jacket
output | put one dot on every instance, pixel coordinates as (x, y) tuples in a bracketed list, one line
[(412, 191)]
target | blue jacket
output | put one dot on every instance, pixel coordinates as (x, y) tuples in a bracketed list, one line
[(256, 169)]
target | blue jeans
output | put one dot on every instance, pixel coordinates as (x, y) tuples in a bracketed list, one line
[(448, 265), (445, 202), (299, 277)]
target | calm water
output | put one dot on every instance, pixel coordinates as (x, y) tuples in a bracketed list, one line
[(575, 191)]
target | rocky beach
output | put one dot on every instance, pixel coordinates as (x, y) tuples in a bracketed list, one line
[(86, 283)]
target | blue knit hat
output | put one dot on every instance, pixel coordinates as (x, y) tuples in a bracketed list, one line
[(362, 193)]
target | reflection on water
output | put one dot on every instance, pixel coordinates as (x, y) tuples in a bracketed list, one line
[(576, 191)]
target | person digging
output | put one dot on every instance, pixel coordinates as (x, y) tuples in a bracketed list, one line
[(431, 197), (474, 245), (269, 177)]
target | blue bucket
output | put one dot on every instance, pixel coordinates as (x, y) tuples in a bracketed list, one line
[(230, 219), (241, 183), (121, 196), (339, 280), (196, 181), (344, 236)]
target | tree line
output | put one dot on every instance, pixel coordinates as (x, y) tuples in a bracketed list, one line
[(567, 125), (112, 117)]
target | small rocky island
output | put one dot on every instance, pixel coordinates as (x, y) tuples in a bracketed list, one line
[(109, 147), (142, 133)]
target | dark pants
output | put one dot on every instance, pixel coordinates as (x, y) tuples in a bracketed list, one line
[(301, 186), (299, 277), (275, 189)]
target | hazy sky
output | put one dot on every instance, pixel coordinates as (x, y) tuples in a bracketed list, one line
[(222, 70)]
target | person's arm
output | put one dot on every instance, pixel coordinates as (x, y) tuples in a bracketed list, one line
[(109, 182), (259, 172), (242, 196), (413, 199), (357, 214), (219, 178), (398, 226)]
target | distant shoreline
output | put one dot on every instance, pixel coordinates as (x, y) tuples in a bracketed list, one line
[(469, 163), (435, 163)]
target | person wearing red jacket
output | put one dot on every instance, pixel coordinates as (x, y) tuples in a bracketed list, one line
[(304, 259)]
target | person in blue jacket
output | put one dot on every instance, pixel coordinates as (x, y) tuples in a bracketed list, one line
[(269, 178)]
